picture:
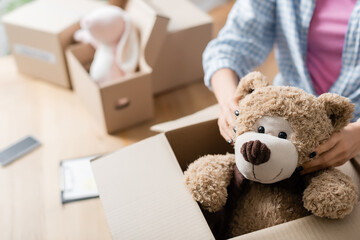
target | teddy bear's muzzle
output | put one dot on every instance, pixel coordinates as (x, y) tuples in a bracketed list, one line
[(265, 158), (255, 152)]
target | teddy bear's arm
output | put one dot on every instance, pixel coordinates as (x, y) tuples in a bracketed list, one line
[(207, 180), (330, 193)]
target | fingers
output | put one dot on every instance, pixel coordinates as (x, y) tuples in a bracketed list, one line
[(323, 161), (329, 144), (225, 130), (233, 108), (334, 157), (226, 121), (340, 147), (326, 152)]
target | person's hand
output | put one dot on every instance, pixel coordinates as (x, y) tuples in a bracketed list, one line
[(224, 83), (340, 147), (226, 119)]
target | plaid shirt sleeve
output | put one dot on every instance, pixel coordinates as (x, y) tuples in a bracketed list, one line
[(245, 41)]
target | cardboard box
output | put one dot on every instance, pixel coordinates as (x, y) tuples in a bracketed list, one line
[(180, 59), (126, 101), (203, 115), (144, 197), (40, 31)]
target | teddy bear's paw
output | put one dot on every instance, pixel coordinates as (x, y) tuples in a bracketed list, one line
[(207, 180), (331, 194), (211, 196)]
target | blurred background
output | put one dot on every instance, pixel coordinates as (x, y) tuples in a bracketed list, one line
[(9, 5), (5, 7)]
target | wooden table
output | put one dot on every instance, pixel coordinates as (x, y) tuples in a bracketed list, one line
[(30, 205)]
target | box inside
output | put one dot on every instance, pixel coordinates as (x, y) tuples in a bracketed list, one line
[(84, 53), (190, 143), (197, 140)]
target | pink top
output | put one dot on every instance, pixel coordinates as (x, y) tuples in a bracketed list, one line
[(326, 38)]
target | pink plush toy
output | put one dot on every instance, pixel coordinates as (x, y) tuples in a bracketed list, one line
[(109, 31)]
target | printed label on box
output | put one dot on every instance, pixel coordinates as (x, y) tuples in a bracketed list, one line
[(34, 53)]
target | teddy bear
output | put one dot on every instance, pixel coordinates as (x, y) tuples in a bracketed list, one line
[(109, 30), (276, 129)]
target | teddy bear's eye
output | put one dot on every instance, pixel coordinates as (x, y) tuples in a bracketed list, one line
[(282, 135), (261, 129)]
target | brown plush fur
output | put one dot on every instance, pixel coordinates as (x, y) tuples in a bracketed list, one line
[(330, 193), (261, 206), (308, 116), (327, 193), (214, 172)]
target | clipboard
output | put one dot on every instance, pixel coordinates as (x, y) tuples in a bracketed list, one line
[(77, 180)]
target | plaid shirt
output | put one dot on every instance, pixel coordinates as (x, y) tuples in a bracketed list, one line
[(253, 28)]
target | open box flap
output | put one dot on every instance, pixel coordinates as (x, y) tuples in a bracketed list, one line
[(142, 191), (203, 115), (311, 227), (183, 14), (152, 25)]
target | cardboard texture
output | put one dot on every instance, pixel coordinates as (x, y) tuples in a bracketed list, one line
[(151, 203), (188, 33), (128, 100), (40, 31), (311, 228), (206, 114), (142, 191)]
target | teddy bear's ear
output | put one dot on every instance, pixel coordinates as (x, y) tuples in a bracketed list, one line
[(338, 109), (249, 83)]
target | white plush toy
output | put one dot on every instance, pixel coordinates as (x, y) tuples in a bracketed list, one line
[(109, 30)]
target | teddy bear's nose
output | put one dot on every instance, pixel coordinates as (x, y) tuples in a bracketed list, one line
[(255, 152)]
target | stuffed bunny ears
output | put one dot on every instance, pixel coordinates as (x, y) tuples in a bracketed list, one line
[(128, 49)]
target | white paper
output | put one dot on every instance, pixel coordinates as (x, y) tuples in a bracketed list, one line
[(77, 179)]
